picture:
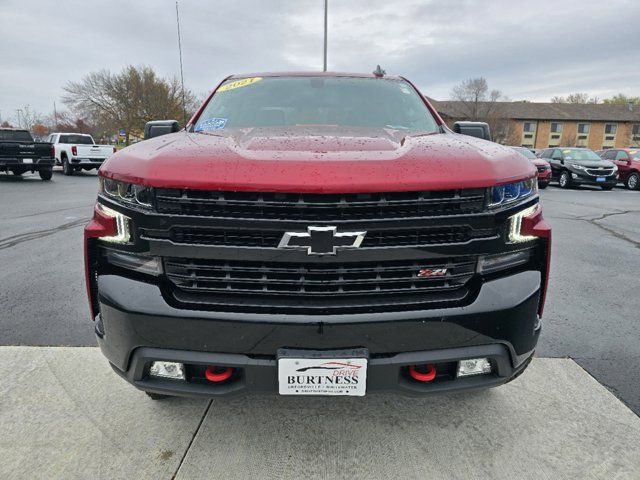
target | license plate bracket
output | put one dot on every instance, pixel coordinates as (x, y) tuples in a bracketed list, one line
[(322, 372)]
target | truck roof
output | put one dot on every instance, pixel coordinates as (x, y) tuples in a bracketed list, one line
[(310, 74), (71, 133), (12, 129)]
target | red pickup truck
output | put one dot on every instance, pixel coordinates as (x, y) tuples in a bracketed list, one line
[(316, 234)]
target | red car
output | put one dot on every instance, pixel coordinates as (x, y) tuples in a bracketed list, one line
[(316, 234), (628, 162), (543, 167)]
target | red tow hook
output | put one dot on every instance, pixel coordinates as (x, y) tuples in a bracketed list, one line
[(218, 374), (429, 375)]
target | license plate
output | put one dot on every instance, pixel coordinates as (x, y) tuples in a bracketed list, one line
[(322, 376), (601, 179), (27, 160)]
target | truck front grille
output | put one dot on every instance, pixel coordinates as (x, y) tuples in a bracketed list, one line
[(319, 207), (319, 287)]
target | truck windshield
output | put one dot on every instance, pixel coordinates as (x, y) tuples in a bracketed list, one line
[(15, 136), (76, 139), (316, 101)]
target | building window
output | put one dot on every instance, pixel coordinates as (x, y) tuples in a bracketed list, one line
[(583, 128), (610, 128), (529, 127), (635, 130), (556, 127)]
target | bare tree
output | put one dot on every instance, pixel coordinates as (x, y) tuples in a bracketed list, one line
[(26, 118), (575, 98), (622, 99), (569, 139), (478, 102), (127, 100)]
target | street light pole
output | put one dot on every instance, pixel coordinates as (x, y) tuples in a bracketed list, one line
[(326, 8)]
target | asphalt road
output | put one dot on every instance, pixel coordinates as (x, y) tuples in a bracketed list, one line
[(592, 312)]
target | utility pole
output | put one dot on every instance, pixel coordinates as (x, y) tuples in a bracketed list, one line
[(326, 9), (55, 116)]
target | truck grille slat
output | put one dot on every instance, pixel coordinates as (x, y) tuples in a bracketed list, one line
[(271, 239), (319, 207)]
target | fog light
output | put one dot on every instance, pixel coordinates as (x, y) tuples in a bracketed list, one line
[(574, 175), (473, 366), (172, 370)]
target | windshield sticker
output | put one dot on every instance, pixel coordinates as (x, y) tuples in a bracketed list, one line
[(633, 152), (566, 151), (568, 158), (211, 124), (239, 83)]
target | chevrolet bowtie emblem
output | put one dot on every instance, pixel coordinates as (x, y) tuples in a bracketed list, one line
[(321, 240)]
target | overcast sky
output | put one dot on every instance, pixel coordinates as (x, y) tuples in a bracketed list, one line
[(529, 50)]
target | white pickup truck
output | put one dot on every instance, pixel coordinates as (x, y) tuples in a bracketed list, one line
[(78, 151)]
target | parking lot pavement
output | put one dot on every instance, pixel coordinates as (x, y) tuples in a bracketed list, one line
[(592, 305), (65, 414)]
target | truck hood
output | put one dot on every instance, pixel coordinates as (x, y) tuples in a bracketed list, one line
[(318, 160)]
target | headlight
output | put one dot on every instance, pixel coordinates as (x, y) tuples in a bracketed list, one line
[(512, 192), (127, 193), (578, 167)]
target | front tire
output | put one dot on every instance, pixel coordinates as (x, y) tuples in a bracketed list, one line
[(46, 174), (565, 180), (66, 168), (633, 181)]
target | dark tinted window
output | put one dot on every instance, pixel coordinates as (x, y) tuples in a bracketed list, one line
[(16, 135), (316, 101), (546, 153), (77, 139)]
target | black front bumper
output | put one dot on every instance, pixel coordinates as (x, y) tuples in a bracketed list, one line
[(136, 326), (582, 179)]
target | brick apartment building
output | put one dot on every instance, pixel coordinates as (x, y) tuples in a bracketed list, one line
[(542, 125)]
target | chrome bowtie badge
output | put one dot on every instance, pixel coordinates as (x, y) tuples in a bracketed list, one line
[(321, 240)]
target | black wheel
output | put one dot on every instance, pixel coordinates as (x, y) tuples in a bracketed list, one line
[(157, 396), (66, 168), (16, 173), (77, 169), (46, 174), (606, 187), (565, 180), (633, 181)]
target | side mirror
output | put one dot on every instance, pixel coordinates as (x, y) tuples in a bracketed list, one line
[(156, 128), (473, 129)]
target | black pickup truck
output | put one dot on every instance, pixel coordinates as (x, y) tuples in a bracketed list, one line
[(19, 154)]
